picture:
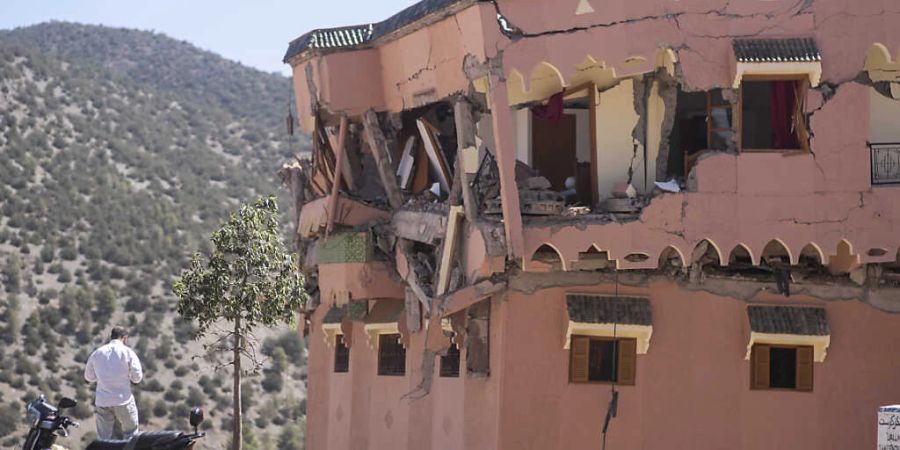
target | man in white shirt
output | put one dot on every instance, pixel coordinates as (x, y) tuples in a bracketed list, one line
[(114, 367)]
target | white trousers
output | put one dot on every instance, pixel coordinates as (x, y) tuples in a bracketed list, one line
[(126, 415)]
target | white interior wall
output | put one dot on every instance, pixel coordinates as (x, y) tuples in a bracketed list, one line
[(616, 119), (884, 119), (522, 130), (656, 113)]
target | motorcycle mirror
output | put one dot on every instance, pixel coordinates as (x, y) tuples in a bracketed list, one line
[(196, 417), (67, 402)]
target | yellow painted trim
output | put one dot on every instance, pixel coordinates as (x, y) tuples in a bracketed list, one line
[(445, 324), (373, 330), (819, 343), (331, 330), (545, 79), (481, 85), (811, 69), (640, 332), (881, 65)]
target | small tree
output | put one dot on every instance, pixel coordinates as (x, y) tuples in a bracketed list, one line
[(248, 280)]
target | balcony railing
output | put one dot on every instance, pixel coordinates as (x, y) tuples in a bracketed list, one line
[(885, 163)]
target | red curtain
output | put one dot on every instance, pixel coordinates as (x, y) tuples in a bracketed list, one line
[(783, 100), (552, 111)]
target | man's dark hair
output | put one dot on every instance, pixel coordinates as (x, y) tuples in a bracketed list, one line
[(118, 333)]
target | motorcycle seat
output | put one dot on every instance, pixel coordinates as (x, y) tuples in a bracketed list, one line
[(156, 440)]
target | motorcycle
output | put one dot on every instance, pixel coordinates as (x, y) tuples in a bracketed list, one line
[(47, 423)]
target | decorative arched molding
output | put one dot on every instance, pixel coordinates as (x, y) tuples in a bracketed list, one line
[(637, 257), (844, 259), (547, 258), (545, 79), (739, 249), (668, 254), (813, 250), (699, 251), (880, 65), (594, 258), (776, 248), (584, 7)]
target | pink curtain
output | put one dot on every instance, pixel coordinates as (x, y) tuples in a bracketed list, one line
[(783, 99)]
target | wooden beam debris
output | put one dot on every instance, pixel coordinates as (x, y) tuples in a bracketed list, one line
[(435, 154), (449, 250), (379, 146), (336, 185), (465, 138)]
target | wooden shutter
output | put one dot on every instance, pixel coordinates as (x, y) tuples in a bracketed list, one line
[(800, 128), (759, 366), (805, 368), (627, 356), (578, 359)]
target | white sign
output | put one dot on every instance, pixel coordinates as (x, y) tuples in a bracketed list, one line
[(889, 428)]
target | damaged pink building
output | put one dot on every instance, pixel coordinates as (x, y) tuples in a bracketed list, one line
[(567, 224)]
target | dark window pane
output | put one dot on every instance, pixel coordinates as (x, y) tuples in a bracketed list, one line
[(601, 360), (391, 355), (450, 363), (783, 369), (767, 114), (341, 356)]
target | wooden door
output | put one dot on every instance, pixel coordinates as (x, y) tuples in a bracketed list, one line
[(553, 149)]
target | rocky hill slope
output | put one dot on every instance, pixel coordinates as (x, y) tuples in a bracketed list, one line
[(120, 151)]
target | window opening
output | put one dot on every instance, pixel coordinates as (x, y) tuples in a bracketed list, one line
[(341, 355), (781, 367), (450, 362), (391, 355), (602, 360), (772, 115), (783, 372)]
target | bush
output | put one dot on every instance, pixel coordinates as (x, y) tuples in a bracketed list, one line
[(173, 395), (195, 397), (10, 417), (64, 276), (82, 410), (160, 408), (291, 437), (291, 343), (47, 253), (154, 386)]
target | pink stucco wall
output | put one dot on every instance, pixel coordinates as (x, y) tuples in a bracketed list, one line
[(692, 388), (360, 410)]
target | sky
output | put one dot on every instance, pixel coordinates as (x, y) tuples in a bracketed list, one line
[(253, 32)]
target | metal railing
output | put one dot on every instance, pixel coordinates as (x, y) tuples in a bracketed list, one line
[(885, 163)]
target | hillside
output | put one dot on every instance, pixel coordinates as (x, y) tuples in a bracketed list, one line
[(120, 151)]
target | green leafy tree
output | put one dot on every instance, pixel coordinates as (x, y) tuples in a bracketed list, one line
[(248, 280)]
